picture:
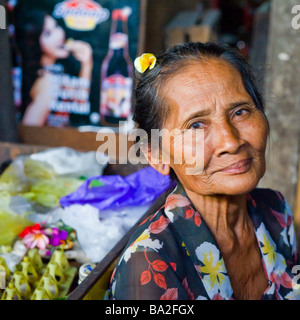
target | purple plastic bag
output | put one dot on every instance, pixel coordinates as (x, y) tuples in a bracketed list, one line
[(139, 188)]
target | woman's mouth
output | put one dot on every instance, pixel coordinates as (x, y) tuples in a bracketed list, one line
[(239, 167)]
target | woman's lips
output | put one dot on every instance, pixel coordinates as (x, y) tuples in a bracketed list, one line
[(238, 167)]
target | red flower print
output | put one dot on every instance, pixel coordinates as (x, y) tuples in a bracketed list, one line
[(190, 213), (187, 289), (159, 225), (284, 220), (170, 294), (286, 280), (159, 265), (173, 265), (176, 200), (156, 265), (145, 277), (197, 219), (160, 280), (148, 218)]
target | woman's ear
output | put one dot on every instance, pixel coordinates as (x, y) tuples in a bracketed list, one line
[(162, 168), (154, 159)]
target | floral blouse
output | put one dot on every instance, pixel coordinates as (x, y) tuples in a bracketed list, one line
[(173, 255)]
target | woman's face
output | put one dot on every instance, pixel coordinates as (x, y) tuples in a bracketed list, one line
[(210, 96), (52, 39)]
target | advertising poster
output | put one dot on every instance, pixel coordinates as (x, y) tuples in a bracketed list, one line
[(72, 53)]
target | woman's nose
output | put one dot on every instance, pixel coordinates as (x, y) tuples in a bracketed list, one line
[(226, 139)]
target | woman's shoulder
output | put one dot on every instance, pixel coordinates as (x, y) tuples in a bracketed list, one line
[(154, 234), (270, 198), (273, 210), (41, 85), (155, 225)]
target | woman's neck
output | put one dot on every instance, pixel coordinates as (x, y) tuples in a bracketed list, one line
[(228, 220), (224, 215), (47, 60)]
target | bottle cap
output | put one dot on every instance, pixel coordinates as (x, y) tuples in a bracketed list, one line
[(117, 14), (120, 14), (85, 270)]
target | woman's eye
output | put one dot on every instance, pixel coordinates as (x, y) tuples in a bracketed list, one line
[(197, 125), (46, 33), (241, 112)]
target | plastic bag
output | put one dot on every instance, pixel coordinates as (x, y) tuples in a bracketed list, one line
[(14, 257), (69, 162), (11, 223), (110, 192), (49, 192), (22, 173), (36, 181), (62, 162), (47, 176)]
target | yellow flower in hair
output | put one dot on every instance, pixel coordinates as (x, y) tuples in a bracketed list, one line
[(145, 61)]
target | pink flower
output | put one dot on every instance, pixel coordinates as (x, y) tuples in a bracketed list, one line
[(36, 238)]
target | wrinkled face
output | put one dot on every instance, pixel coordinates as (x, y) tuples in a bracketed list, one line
[(209, 96), (52, 39)]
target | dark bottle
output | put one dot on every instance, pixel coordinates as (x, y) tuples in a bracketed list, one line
[(117, 73)]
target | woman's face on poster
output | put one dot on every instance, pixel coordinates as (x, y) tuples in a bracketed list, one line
[(52, 39)]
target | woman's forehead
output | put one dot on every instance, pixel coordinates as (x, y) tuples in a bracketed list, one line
[(212, 86), (204, 82), (49, 22), (203, 74)]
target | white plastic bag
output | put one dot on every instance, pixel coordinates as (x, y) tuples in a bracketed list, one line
[(69, 162)]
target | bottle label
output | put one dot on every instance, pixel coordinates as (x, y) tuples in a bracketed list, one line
[(116, 93), (118, 40)]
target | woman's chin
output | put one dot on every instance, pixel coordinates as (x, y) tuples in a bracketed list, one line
[(62, 54), (238, 185)]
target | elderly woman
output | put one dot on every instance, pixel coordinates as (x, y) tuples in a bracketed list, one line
[(217, 236)]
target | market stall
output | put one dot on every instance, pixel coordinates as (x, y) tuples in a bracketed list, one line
[(85, 212)]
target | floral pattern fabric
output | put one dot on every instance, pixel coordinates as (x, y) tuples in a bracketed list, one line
[(173, 255)]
